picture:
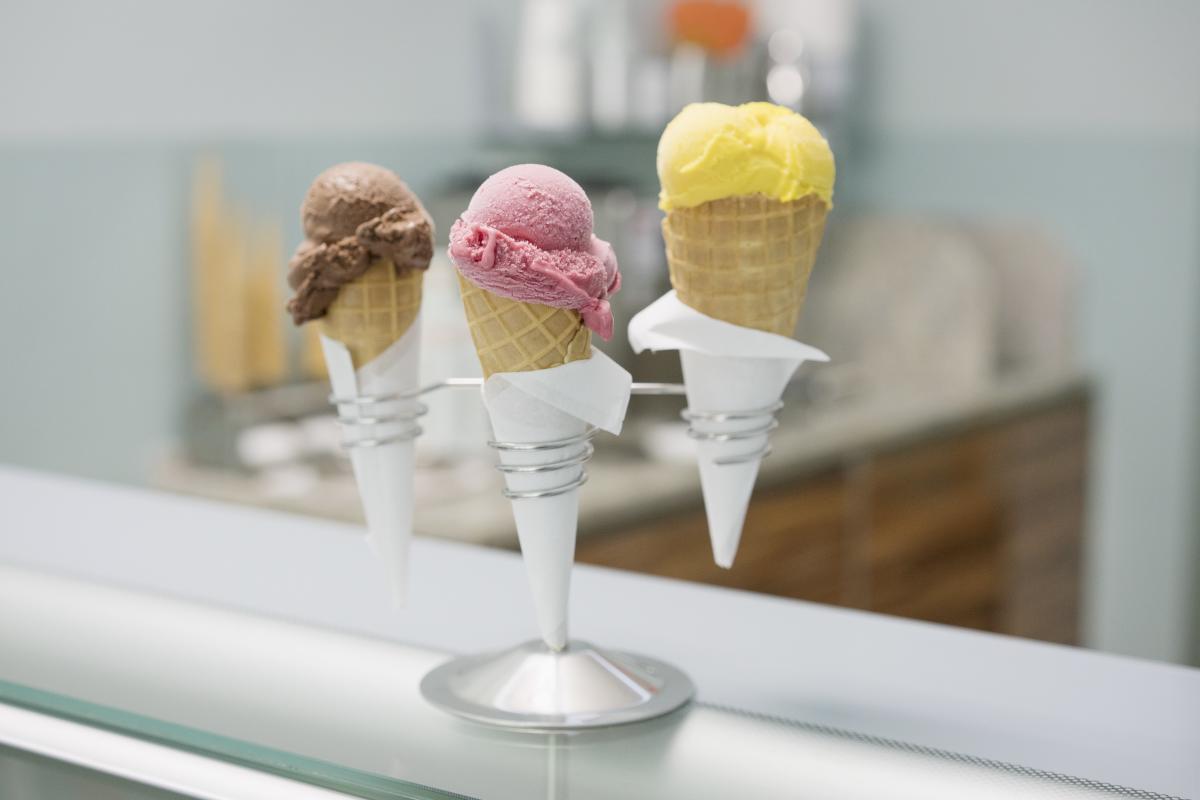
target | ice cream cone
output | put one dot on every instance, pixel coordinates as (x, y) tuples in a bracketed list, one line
[(358, 275), (535, 283), (374, 310), (746, 190), (745, 259), (513, 336)]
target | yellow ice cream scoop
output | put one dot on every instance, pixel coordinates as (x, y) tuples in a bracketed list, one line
[(711, 151)]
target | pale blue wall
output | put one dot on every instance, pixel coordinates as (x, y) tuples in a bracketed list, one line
[(1083, 117), (1132, 229), (94, 359)]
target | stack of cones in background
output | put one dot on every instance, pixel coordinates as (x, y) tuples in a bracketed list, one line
[(239, 340)]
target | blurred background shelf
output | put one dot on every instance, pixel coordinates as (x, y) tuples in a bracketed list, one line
[(972, 519), (967, 511)]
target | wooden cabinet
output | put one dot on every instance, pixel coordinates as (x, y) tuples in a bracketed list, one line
[(979, 526)]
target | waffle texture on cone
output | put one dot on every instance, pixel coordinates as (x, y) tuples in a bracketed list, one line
[(513, 336), (745, 260), (374, 310)]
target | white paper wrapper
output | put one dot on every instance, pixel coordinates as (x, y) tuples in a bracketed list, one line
[(384, 473), (542, 406), (727, 369)]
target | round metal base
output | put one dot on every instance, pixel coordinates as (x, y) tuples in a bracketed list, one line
[(534, 688)]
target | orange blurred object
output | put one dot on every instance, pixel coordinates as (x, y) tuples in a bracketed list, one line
[(720, 28)]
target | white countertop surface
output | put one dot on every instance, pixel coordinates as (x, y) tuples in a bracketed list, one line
[(1102, 717)]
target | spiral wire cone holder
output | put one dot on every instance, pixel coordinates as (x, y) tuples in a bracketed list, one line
[(768, 424), (578, 459), (531, 686), (369, 416)]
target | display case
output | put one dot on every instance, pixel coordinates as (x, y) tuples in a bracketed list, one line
[(126, 619)]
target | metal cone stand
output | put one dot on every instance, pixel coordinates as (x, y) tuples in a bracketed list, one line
[(532, 686)]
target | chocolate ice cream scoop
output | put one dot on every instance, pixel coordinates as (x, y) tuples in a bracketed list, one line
[(347, 195), (353, 214)]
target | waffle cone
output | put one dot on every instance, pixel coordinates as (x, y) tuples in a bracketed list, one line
[(374, 310), (512, 336), (745, 260)]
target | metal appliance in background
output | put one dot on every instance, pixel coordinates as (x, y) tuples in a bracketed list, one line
[(617, 67), (583, 85)]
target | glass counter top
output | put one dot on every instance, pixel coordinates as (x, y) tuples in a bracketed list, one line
[(679, 755), (344, 712), (290, 660)]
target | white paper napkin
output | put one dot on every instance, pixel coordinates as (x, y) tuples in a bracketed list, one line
[(384, 474), (543, 406), (726, 369)]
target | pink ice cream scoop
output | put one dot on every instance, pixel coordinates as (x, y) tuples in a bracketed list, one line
[(527, 235)]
